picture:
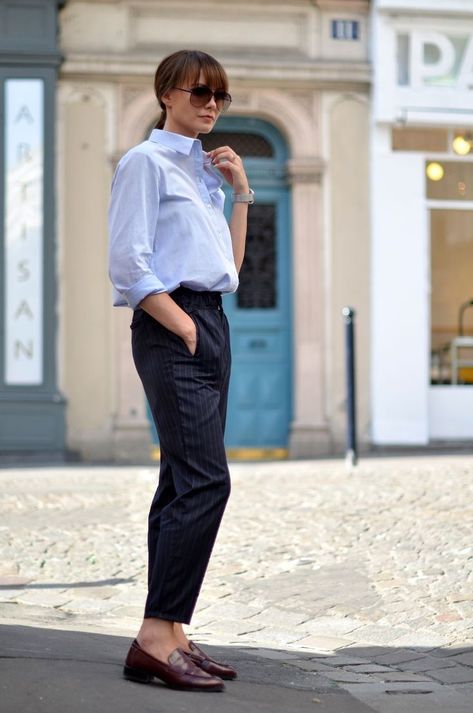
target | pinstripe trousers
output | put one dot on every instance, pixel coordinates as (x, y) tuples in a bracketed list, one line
[(188, 400)]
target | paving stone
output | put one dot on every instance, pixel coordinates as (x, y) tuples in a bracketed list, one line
[(453, 649), (9, 594), (419, 638), (274, 655), (426, 663), (44, 598), (132, 612), (273, 616), (409, 687), (339, 660), (440, 700), (87, 605), (465, 658), (342, 676), (239, 627), (331, 626), (370, 653), (455, 674), (324, 643), (314, 665), (373, 634), (401, 676), (11, 580), (367, 668)]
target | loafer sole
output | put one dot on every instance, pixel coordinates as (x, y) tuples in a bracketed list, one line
[(140, 676)]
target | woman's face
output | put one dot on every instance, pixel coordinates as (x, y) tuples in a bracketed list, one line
[(182, 117)]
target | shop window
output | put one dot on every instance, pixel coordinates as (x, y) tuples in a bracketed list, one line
[(451, 308), (449, 180)]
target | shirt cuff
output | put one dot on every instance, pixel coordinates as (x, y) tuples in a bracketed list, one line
[(146, 286)]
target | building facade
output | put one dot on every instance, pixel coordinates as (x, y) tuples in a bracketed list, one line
[(355, 123), (300, 80), (422, 222)]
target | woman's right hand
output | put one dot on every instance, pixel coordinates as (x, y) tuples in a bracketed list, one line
[(190, 336), (165, 311)]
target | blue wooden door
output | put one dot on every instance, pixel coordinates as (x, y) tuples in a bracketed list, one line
[(260, 400)]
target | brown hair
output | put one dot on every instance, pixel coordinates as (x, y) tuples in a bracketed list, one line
[(186, 65)]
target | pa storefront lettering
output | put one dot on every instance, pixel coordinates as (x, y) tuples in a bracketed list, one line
[(439, 60)]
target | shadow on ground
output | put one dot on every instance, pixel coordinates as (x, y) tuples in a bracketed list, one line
[(9, 583), (52, 670)]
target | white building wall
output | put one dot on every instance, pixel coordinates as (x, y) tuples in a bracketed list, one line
[(400, 295), (416, 91)]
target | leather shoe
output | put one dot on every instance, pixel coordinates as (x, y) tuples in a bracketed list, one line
[(179, 672), (201, 659)]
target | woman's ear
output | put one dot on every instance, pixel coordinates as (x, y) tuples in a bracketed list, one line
[(166, 99)]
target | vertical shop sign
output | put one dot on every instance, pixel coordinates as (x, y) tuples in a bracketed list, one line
[(23, 231)]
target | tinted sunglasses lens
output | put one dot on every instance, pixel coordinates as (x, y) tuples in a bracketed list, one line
[(200, 96), (223, 100)]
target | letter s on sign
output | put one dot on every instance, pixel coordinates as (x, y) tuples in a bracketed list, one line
[(24, 272)]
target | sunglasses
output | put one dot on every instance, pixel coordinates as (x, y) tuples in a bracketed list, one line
[(201, 95)]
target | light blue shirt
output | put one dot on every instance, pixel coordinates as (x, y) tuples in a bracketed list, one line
[(166, 221)]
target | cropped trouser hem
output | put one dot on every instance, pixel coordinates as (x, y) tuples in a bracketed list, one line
[(180, 619)]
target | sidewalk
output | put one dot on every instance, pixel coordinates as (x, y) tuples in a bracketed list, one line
[(329, 590), (54, 671)]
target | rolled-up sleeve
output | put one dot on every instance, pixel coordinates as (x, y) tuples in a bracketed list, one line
[(132, 219)]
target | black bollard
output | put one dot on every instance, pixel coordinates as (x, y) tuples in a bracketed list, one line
[(351, 456)]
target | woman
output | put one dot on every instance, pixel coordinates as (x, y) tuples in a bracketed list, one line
[(172, 254)]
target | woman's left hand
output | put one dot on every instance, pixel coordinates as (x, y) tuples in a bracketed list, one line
[(230, 166)]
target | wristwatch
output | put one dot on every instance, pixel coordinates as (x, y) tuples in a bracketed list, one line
[(244, 197)]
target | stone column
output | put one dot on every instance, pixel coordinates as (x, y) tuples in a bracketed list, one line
[(309, 434), (132, 440)]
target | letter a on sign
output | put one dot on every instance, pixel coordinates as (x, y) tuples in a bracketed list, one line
[(465, 76), (25, 114), (24, 309)]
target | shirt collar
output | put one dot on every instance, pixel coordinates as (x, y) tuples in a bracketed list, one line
[(178, 142)]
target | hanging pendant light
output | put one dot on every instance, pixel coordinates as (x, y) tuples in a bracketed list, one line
[(461, 144)]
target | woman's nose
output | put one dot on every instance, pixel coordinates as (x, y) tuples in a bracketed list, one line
[(211, 102)]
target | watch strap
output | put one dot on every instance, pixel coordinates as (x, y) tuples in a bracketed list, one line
[(244, 197)]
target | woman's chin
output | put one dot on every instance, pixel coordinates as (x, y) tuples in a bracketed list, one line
[(205, 127)]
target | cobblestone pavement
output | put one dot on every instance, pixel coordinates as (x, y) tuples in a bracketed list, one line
[(363, 577)]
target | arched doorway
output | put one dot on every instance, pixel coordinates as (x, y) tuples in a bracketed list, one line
[(260, 400)]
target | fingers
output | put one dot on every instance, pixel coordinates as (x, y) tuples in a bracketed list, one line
[(191, 341), (224, 154), (229, 164)]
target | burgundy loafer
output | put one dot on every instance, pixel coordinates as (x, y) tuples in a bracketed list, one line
[(201, 659), (179, 672)]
